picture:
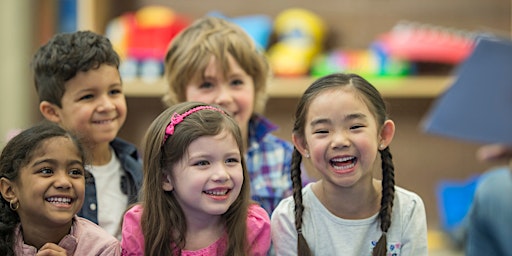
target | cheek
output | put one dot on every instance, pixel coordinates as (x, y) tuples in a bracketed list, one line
[(198, 96), (121, 104), (238, 177), (80, 190), (245, 98)]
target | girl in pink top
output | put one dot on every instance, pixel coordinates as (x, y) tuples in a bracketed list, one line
[(195, 197), (42, 183)]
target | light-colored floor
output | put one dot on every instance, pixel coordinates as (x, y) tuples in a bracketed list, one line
[(439, 245)]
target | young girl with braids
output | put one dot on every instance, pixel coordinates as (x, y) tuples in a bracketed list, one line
[(195, 192), (341, 125)]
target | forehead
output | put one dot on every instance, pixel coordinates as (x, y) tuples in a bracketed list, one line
[(340, 99), (218, 66), (103, 75), (55, 146)]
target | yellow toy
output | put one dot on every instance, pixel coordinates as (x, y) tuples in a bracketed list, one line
[(301, 36)]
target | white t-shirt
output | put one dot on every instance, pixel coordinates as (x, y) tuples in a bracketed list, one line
[(112, 202), (328, 234)]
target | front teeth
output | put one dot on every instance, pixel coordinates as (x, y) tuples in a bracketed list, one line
[(103, 122), (217, 193), (343, 159), (62, 200)]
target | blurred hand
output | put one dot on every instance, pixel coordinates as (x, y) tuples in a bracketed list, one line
[(51, 249), (495, 152)]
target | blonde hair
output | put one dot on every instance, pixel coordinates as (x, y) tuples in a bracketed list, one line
[(190, 51), (163, 221)]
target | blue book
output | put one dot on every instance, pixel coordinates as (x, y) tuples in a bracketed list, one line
[(477, 107)]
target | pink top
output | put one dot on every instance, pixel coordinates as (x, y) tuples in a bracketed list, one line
[(258, 234), (85, 238)]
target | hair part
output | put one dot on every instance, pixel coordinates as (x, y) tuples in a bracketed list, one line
[(16, 154), (190, 51), (66, 54), (373, 99), (161, 208)]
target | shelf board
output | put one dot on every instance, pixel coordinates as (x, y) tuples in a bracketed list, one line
[(399, 87)]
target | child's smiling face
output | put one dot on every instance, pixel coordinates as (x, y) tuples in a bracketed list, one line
[(51, 186), (235, 92)]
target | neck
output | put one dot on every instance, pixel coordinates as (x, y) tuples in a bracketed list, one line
[(100, 154), (37, 235), (203, 233), (358, 202)]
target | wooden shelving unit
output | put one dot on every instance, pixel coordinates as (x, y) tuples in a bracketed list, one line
[(401, 87), (421, 160)]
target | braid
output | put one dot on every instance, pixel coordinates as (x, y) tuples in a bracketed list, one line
[(388, 195), (302, 245)]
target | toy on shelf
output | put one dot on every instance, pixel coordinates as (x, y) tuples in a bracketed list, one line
[(257, 26), (366, 62), (141, 38), (300, 37), (427, 43)]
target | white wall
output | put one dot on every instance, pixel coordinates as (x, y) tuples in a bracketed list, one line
[(16, 87)]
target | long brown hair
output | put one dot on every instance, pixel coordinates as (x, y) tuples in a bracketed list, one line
[(376, 104), (163, 221)]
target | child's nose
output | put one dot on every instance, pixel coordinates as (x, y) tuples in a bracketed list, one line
[(106, 103), (224, 96), (221, 174), (340, 140), (62, 181)]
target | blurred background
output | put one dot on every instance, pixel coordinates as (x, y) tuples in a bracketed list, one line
[(408, 49)]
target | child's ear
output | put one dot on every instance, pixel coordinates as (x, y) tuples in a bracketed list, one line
[(300, 145), (7, 189), (387, 133), (167, 183), (49, 111)]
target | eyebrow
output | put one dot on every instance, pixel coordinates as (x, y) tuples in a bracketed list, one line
[(349, 117), (53, 161)]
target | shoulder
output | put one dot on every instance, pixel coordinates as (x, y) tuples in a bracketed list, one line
[(408, 205), (284, 209), (257, 216), (501, 175), (94, 239), (124, 148), (407, 196), (258, 230), (85, 227), (494, 183), (133, 214)]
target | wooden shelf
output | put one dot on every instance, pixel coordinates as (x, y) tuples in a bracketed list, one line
[(402, 87)]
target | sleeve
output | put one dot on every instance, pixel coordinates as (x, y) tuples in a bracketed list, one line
[(284, 237), (258, 230), (132, 239), (112, 250), (415, 229)]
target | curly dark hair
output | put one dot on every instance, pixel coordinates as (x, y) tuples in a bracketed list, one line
[(64, 56)]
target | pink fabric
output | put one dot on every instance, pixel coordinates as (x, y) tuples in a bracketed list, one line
[(85, 238), (258, 234)]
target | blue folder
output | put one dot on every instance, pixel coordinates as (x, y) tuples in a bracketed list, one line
[(477, 107)]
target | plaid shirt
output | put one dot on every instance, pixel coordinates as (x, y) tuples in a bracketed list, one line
[(268, 160)]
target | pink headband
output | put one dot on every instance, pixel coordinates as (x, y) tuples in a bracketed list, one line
[(178, 118)]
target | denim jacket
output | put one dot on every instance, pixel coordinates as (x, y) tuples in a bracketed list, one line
[(131, 181)]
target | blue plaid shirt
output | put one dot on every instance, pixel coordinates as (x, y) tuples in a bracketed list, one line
[(268, 160)]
